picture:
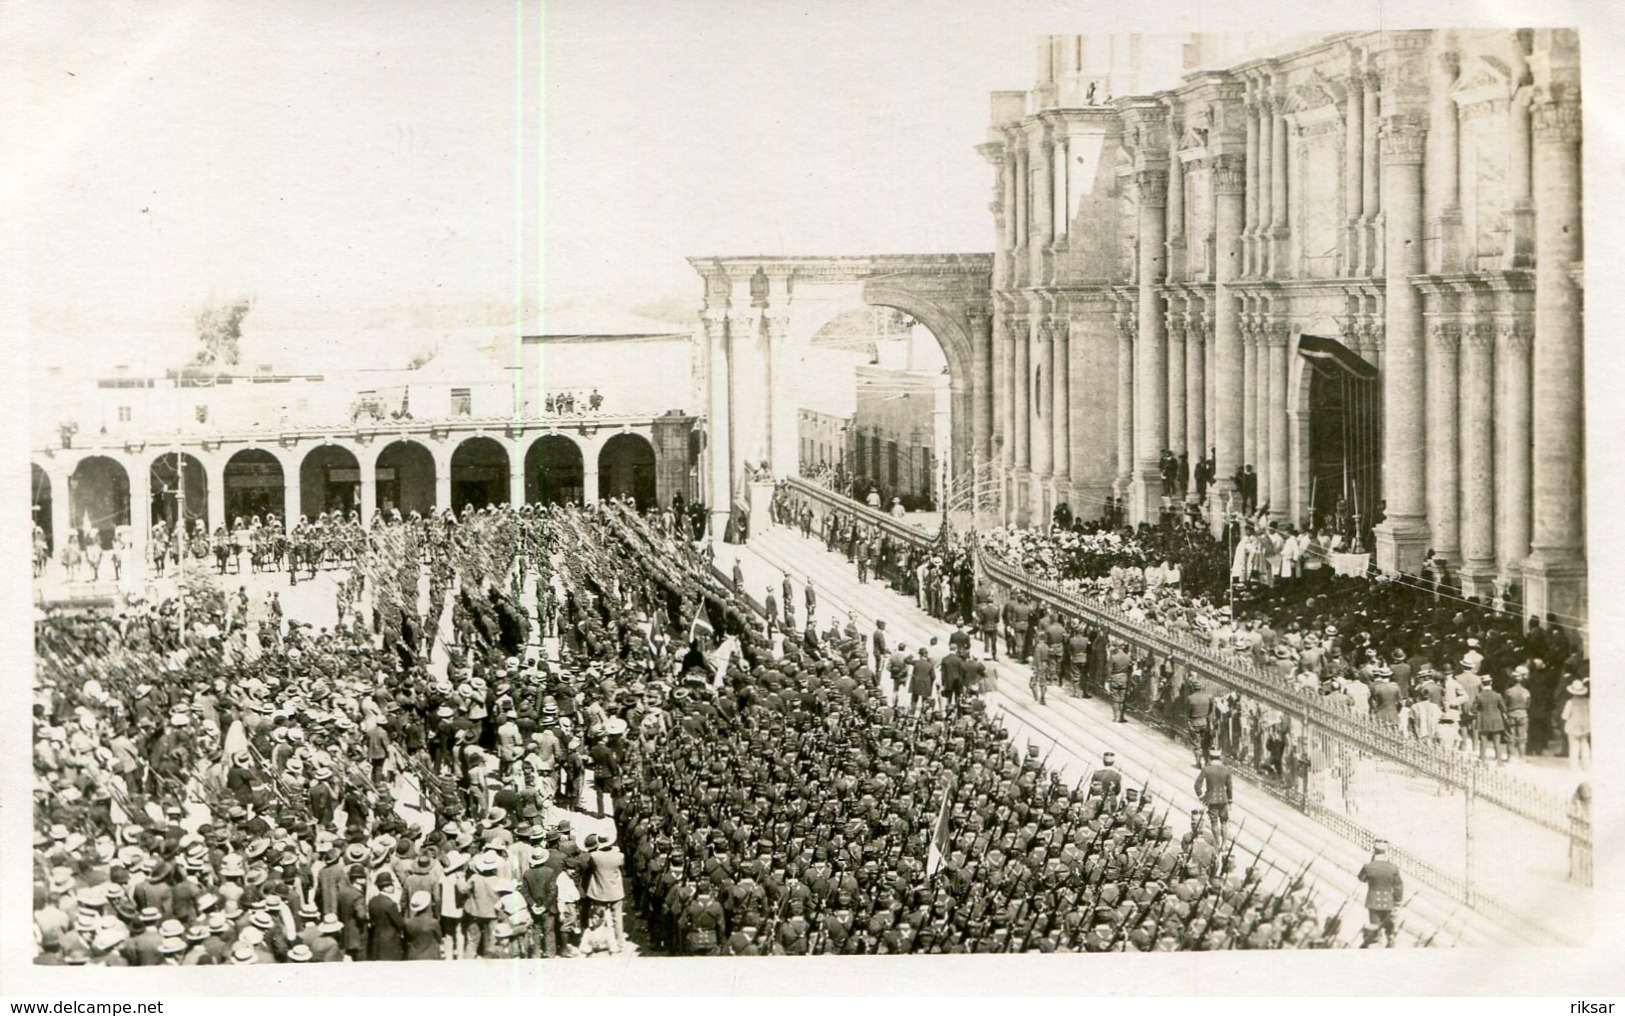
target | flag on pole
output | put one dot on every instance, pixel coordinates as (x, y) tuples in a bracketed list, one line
[(937, 852), (699, 626)]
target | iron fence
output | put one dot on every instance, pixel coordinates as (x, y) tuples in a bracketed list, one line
[(1502, 845)]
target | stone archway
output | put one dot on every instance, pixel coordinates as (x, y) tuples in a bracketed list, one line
[(99, 497), (254, 484), (479, 474), (329, 480), (40, 501), (554, 471), (1334, 432), (405, 472), (174, 474), (626, 468), (757, 308)]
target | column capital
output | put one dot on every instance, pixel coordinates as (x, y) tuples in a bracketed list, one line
[(1200, 327), (1060, 329), (1446, 335), (1404, 138), (1376, 333), (1126, 323), (1478, 336), (1152, 185), (1517, 336), (1176, 325), (1229, 174), (1275, 333), (1556, 117)]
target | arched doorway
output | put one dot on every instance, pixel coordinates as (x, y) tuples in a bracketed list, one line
[(1341, 399), (99, 497), (39, 496), (165, 478), (329, 480), (479, 474), (626, 467), (874, 390), (406, 478), (253, 485), (554, 471)]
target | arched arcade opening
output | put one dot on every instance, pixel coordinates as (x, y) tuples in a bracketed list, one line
[(329, 480), (166, 477), (39, 497), (406, 478), (479, 474), (99, 498), (626, 468), (554, 471), (253, 485)]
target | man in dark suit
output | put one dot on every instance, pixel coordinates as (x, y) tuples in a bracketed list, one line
[(352, 912), (388, 941), (1385, 891)]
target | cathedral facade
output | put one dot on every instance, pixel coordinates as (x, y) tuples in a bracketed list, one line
[(1352, 263)]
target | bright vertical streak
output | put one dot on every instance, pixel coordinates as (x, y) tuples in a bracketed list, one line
[(540, 302), (516, 344)]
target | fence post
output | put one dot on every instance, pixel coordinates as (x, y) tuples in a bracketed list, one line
[(1471, 785)]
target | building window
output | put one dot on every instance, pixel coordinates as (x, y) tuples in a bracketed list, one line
[(462, 402), (124, 414)]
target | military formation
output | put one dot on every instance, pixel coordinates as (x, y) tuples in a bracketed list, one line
[(215, 788)]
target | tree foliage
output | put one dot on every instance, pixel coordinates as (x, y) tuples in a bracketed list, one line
[(219, 332)]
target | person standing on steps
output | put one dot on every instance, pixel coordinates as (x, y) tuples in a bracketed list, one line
[(1385, 891), (1215, 789)]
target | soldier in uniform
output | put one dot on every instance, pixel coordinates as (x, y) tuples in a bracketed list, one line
[(1215, 789), (1385, 892)]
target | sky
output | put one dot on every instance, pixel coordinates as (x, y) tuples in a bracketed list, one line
[(412, 164)]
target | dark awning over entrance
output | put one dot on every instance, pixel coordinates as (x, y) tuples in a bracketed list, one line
[(1330, 352)]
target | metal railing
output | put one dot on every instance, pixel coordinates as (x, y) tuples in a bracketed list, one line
[(1464, 828)]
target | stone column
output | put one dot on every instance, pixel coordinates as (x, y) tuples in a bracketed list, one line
[(1280, 264), (1266, 188), (217, 495), (516, 473), (1195, 396), (1004, 331), (1249, 228), (1060, 401), (1151, 360), (589, 486), (1370, 174), (1478, 459), (1512, 467), (1043, 354), (980, 323), (1444, 167), (369, 492), (1249, 392), (1353, 167), (1023, 201), (442, 486), (1176, 383), (1443, 416), (1555, 570), (1058, 190), (1125, 401), (1280, 499), (1261, 410), (1176, 213), (290, 489), (1022, 381), (1039, 160), (1520, 216), (1228, 180), (719, 422), (1402, 537)]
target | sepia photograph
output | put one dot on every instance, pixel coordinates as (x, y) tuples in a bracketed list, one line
[(586, 486)]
